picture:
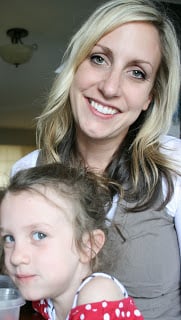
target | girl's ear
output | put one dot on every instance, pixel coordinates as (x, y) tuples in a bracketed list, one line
[(92, 244)]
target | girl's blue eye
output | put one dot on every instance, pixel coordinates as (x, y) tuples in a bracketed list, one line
[(39, 235), (97, 59), (8, 238), (139, 74)]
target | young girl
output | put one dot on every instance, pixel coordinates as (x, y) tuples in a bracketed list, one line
[(53, 226)]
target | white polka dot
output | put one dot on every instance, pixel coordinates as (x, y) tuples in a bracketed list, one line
[(74, 313), (137, 313), (117, 312), (121, 305), (88, 307), (104, 304), (106, 316), (94, 310), (131, 301), (123, 314), (128, 314), (82, 316)]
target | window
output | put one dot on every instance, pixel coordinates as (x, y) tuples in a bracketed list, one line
[(8, 155)]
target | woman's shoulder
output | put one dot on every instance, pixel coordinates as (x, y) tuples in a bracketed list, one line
[(171, 146), (25, 162), (170, 141)]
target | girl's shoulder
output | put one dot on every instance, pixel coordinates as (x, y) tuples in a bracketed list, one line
[(108, 310), (100, 286), (25, 162), (102, 296)]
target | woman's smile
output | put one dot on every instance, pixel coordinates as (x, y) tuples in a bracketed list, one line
[(113, 85), (103, 109)]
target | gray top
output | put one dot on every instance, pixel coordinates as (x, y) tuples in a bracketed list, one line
[(148, 261)]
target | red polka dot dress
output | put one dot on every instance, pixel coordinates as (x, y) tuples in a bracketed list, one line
[(124, 309)]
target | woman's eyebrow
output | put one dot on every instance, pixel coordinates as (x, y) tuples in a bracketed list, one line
[(105, 49), (108, 51), (142, 61)]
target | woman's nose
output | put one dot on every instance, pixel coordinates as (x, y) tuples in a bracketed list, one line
[(110, 85), (19, 255)]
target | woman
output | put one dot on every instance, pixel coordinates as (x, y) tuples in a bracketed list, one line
[(110, 109)]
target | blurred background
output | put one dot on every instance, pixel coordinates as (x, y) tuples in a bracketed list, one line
[(44, 28)]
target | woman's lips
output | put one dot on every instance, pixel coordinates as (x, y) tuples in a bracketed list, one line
[(103, 109)]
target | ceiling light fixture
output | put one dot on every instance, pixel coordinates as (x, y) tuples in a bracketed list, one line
[(17, 52)]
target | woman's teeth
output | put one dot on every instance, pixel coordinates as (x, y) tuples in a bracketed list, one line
[(101, 108)]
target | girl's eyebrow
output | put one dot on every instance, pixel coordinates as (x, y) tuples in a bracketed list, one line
[(2, 229), (30, 226), (37, 225)]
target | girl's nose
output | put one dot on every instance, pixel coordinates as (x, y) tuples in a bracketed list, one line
[(19, 255), (110, 86)]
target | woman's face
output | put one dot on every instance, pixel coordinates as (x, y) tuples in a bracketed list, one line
[(113, 85)]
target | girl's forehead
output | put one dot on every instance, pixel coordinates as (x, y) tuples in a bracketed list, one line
[(35, 208), (22, 216), (41, 196)]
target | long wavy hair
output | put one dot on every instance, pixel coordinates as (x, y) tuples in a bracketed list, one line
[(138, 162)]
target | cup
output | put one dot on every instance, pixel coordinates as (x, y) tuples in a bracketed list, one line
[(6, 282), (10, 299)]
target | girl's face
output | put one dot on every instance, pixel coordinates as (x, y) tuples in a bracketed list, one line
[(113, 85), (40, 252)]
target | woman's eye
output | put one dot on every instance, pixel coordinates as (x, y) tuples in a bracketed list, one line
[(139, 74), (39, 235), (97, 59), (8, 238)]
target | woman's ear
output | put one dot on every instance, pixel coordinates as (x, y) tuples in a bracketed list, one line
[(92, 244), (148, 102)]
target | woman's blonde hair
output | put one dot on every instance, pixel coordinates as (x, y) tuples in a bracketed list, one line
[(56, 124)]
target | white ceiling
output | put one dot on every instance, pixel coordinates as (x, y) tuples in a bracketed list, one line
[(50, 24)]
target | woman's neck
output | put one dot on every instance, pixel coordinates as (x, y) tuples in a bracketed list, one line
[(96, 154)]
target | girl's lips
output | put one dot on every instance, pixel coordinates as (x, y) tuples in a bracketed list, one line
[(24, 276)]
